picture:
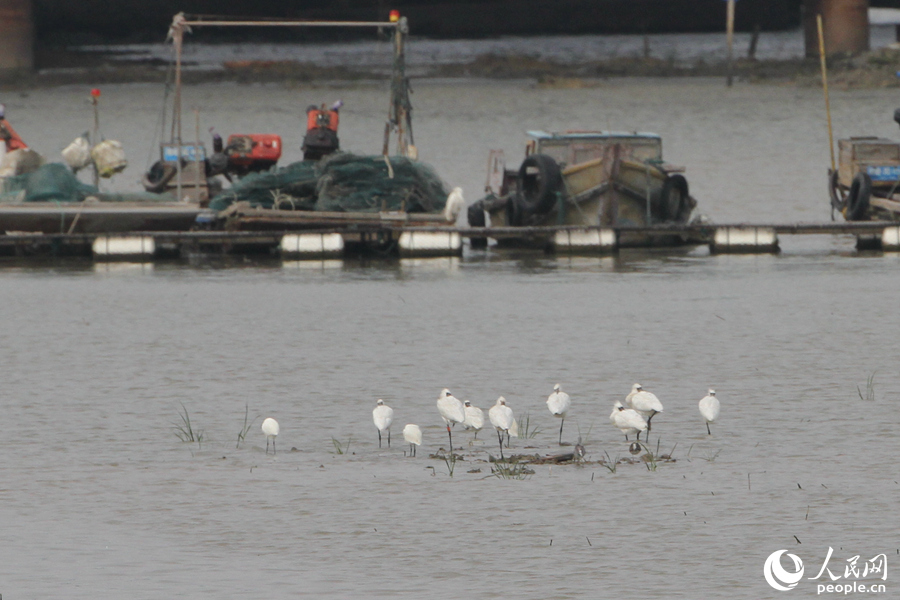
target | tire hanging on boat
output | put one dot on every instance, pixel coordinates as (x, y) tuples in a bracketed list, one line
[(156, 178), (858, 197), (672, 197), (476, 218), (538, 182)]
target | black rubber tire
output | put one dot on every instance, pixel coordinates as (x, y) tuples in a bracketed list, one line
[(858, 198), (475, 217), (515, 213), (838, 196), (672, 197), (156, 178), (538, 191)]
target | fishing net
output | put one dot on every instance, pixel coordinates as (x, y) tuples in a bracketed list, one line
[(292, 187), (342, 182), (53, 182)]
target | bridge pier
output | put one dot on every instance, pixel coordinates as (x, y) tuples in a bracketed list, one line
[(16, 37), (845, 25)]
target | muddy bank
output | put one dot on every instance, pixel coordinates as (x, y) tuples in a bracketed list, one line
[(874, 69)]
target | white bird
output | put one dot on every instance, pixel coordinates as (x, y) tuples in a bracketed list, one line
[(644, 402), (559, 403), (455, 204), (413, 435), (382, 416), (452, 411), (627, 420), (270, 428), (502, 419), (709, 409), (474, 418)]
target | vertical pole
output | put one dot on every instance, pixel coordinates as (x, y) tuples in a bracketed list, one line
[(197, 161), (754, 40), (401, 82), (729, 28), (95, 136), (825, 88), (176, 116), (392, 110)]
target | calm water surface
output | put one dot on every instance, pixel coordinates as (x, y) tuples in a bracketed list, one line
[(98, 498)]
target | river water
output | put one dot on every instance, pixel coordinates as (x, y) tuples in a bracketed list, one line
[(99, 498)]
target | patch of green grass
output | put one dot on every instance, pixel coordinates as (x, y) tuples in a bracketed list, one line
[(184, 431), (505, 470), (449, 460), (584, 437), (710, 456), (526, 431), (870, 389), (242, 434), (610, 464), (340, 448), (650, 457)]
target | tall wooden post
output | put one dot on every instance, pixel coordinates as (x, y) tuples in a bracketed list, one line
[(729, 34), (845, 23), (16, 37)]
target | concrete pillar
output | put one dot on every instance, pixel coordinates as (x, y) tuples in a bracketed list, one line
[(16, 36), (845, 26)]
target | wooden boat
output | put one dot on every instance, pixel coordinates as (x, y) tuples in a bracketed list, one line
[(588, 178), (866, 184)]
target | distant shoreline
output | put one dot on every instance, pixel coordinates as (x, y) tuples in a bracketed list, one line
[(876, 69)]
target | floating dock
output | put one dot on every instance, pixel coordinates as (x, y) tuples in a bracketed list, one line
[(393, 240)]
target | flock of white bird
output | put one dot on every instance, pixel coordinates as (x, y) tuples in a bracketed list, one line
[(631, 418)]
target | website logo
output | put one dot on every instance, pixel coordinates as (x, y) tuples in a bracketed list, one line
[(777, 576), (854, 575)]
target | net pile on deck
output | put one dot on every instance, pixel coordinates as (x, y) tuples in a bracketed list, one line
[(52, 182), (342, 182)]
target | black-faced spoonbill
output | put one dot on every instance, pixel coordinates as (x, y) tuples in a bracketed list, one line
[(559, 403), (474, 418), (709, 409), (644, 402), (413, 435), (270, 428), (382, 416), (452, 411), (627, 420), (502, 419)]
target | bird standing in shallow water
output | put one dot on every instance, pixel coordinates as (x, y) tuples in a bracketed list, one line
[(709, 409), (452, 411), (270, 428), (413, 435), (627, 420), (382, 416), (559, 403), (502, 419), (644, 402), (474, 418)]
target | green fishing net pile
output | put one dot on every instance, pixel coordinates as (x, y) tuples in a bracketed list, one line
[(53, 182), (342, 182)]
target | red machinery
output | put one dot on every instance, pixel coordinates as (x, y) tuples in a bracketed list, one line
[(8, 134), (253, 152), (321, 131)]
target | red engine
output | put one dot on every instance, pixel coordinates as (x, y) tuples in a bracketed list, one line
[(254, 152)]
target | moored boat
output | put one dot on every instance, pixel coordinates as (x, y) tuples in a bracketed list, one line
[(586, 178)]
